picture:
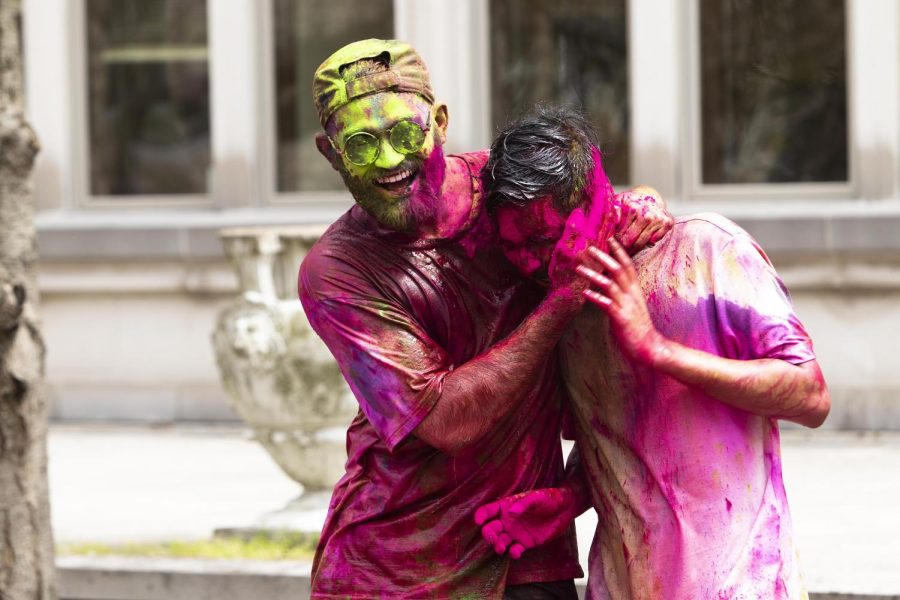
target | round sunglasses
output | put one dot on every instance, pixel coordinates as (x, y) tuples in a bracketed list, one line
[(363, 148)]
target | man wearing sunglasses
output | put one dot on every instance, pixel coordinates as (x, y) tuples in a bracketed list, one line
[(448, 350)]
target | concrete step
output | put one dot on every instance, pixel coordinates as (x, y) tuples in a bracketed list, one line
[(114, 578)]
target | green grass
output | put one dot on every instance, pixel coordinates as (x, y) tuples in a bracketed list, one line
[(262, 546)]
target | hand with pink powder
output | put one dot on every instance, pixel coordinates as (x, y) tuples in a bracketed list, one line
[(644, 218), (518, 523), (584, 226), (767, 386), (622, 299), (637, 218), (567, 255)]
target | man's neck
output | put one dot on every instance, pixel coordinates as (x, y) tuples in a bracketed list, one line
[(450, 214)]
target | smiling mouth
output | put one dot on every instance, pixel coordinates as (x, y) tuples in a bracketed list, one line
[(397, 182)]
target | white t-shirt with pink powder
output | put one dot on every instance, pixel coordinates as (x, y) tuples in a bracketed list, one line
[(688, 490)]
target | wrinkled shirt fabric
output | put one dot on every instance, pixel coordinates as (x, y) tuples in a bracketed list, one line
[(399, 315), (688, 490)]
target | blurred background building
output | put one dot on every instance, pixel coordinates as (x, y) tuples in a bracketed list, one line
[(163, 121)]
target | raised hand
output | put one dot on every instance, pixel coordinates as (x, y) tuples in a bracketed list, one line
[(518, 523), (618, 293), (586, 225), (644, 218)]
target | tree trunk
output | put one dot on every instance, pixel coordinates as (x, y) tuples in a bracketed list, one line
[(26, 540)]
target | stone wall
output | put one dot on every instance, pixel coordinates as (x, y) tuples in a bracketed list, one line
[(129, 338)]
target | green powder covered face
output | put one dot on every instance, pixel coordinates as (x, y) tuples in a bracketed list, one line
[(363, 148), (385, 143)]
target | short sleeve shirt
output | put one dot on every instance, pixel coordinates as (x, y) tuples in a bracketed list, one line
[(688, 490), (399, 316)]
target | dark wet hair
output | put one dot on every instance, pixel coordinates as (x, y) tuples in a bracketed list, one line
[(547, 151)]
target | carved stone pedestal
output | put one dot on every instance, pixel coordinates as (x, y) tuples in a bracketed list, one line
[(278, 375)]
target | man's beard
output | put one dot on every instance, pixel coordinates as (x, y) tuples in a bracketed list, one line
[(402, 214)]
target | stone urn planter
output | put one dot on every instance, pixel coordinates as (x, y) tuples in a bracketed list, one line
[(278, 375)]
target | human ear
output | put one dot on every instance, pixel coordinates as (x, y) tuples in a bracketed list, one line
[(327, 150), (441, 120)]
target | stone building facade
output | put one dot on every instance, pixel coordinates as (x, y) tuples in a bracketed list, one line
[(164, 121)]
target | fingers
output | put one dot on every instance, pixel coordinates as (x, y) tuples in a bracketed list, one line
[(503, 542), (615, 311), (606, 261), (599, 299), (628, 228), (516, 550), (630, 220), (486, 512), (615, 267), (594, 277), (644, 238), (494, 535), (491, 532), (612, 294), (624, 260), (610, 289), (630, 237), (658, 235)]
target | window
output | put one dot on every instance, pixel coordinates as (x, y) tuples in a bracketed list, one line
[(773, 86), (564, 52), (306, 33), (148, 97)]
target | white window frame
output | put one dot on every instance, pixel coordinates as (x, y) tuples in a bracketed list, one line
[(663, 48), (874, 40), (656, 94), (455, 62), (457, 52), (81, 152), (269, 193), (649, 107), (697, 190), (47, 38)]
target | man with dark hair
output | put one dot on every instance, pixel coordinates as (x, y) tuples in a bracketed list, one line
[(677, 376), (447, 349)]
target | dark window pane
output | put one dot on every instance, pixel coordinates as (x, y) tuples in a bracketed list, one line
[(774, 91), (148, 96), (564, 52), (306, 33)]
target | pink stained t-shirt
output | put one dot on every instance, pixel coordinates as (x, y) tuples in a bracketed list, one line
[(688, 490), (399, 315)]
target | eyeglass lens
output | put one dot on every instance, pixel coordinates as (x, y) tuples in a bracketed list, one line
[(406, 137)]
